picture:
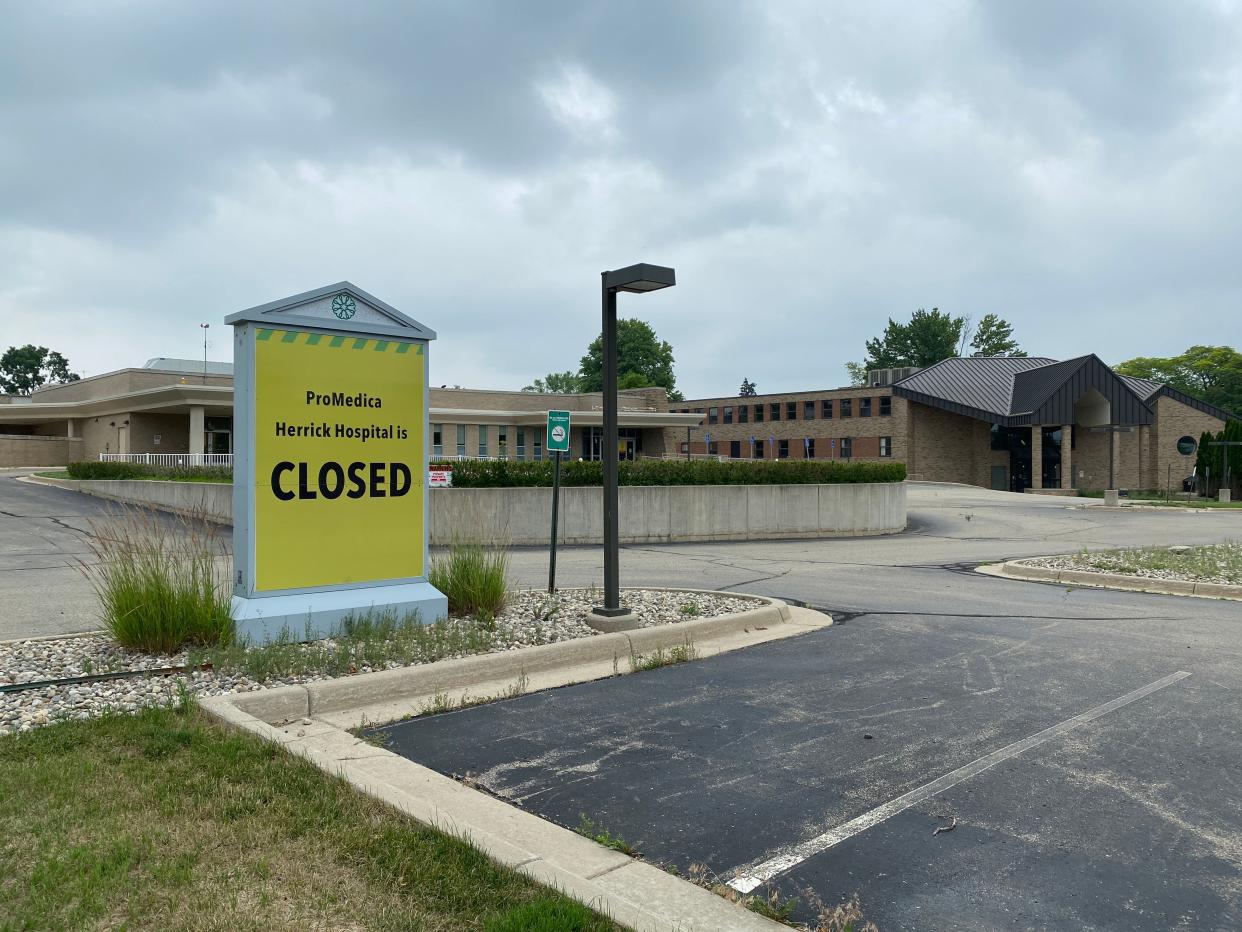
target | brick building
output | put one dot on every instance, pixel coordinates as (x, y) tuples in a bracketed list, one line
[(1003, 423)]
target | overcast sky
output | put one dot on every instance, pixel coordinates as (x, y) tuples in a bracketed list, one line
[(809, 168)]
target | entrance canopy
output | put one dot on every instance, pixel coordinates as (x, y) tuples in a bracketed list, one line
[(1019, 391)]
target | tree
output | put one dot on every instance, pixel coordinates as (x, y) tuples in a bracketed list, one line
[(994, 337), (1211, 373), (748, 388), (555, 383), (25, 368), (642, 359), (929, 337)]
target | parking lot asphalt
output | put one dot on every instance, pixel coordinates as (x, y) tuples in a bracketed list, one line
[(1117, 810)]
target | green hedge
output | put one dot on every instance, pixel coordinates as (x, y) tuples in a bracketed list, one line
[(90, 469), (495, 474)]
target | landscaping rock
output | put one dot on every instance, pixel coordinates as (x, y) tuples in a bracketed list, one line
[(531, 617)]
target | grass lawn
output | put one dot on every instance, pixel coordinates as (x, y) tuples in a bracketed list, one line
[(1151, 497), (165, 820)]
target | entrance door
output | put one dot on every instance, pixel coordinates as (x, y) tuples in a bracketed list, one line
[(625, 448), (219, 441), (1000, 479)]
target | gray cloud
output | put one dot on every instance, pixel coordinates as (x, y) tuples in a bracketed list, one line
[(810, 169)]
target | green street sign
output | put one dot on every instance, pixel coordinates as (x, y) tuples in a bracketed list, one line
[(558, 432)]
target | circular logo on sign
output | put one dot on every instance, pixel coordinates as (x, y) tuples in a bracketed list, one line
[(558, 433), (1186, 445), (343, 306)]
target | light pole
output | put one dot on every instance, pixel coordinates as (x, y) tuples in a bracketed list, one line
[(611, 616), (204, 326)]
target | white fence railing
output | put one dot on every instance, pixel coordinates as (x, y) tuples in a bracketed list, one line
[(170, 459)]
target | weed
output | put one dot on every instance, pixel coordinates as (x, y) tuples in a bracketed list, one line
[(690, 609), (600, 835), (159, 584), (682, 653), (474, 578), (439, 704), (374, 641), (844, 917), (771, 906)]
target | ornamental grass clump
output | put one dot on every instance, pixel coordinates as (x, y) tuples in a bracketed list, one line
[(162, 581), (474, 577)]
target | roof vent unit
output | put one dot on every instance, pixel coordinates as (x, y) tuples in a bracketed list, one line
[(882, 378)]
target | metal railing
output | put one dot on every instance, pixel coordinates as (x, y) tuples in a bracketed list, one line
[(170, 459)]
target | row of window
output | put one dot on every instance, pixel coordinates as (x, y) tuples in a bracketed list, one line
[(824, 407), (763, 449), (502, 441)]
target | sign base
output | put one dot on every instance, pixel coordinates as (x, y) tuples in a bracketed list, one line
[(311, 615)]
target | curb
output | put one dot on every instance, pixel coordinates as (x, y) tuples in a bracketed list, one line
[(632, 892), (374, 698), (1014, 569), (636, 894)]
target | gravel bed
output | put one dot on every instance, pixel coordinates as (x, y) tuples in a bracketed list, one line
[(530, 618), (1209, 564)]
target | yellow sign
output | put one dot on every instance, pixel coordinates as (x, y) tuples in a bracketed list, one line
[(339, 460)]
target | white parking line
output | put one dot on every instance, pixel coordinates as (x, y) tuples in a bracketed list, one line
[(762, 873)]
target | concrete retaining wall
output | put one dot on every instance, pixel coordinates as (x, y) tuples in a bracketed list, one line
[(649, 514)]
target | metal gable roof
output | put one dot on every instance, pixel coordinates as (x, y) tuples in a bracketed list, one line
[(1020, 390), (977, 386)]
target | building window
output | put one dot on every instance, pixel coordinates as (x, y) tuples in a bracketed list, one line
[(791, 410), (774, 411), (864, 407), (886, 406), (461, 440), (808, 410), (521, 443), (502, 442), (482, 440), (999, 438), (782, 449), (825, 409), (743, 414), (713, 448), (711, 415), (847, 447), (538, 444), (437, 440), (735, 449), (758, 414), (728, 414), (886, 446), (847, 407), (810, 448)]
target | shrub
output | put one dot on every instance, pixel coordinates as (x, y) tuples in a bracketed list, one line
[(515, 473), (90, 469), (157, 581), (474, 578)]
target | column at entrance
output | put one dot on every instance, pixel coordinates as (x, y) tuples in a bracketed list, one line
[(198, 429), (1067, 464), (1037, 456)]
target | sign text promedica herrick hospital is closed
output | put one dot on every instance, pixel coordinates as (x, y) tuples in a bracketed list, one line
[(338, 459)]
